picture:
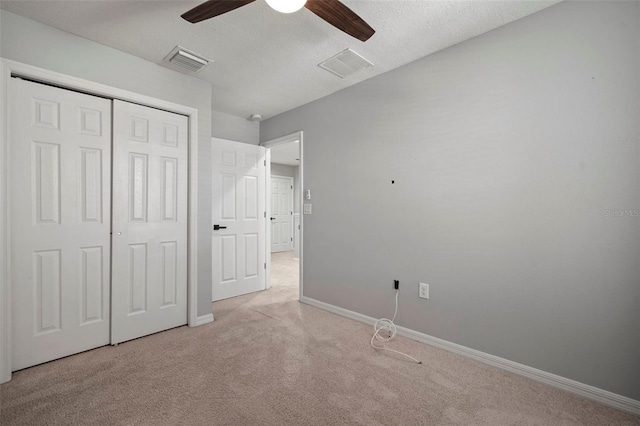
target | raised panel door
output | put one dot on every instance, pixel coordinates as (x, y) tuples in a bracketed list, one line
[(282, 214), (149, 288), (60, 144), (239, 244)]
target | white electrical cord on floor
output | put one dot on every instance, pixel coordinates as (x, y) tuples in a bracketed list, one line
[(388, 325)]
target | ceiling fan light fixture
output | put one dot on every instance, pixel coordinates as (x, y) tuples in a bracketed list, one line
[(286, 6)]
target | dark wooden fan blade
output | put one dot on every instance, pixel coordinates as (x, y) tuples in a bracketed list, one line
[(212, 8), (341, 17)]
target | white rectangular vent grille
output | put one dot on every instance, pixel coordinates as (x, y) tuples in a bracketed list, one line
[(345, 63), (187, 59)]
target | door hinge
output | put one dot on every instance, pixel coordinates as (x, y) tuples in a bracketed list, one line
[(291, 212), (265, 162), (265, 214), (291, 238), (265, 266), (291, 186)]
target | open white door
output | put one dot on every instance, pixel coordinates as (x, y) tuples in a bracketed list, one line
[(281, 214), (149, 241), (60, 219), (238, 214)]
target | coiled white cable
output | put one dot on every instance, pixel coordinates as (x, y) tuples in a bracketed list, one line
[(385, 324)]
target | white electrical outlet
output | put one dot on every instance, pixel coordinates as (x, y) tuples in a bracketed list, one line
[(423, 291)]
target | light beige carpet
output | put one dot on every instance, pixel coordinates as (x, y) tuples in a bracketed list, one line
[(269, 360)]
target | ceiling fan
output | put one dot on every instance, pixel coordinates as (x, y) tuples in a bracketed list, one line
[(332, 11)]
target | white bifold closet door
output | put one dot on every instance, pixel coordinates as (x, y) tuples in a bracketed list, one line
[(97, 257), (60, 145), (149, 271)]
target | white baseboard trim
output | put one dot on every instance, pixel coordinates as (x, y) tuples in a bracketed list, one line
[(586, 391), (204, 319)]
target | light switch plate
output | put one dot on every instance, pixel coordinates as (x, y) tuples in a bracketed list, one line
[(307, 209), (423, 291)]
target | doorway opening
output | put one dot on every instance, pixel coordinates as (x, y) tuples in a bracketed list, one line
[(284, 175)]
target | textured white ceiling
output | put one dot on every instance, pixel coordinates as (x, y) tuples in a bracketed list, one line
[(266, 62)]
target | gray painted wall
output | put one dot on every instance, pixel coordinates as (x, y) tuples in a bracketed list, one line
[(511, 154), (33, 43), (281, 170), (230, 127)]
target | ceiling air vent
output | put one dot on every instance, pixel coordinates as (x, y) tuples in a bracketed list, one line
[(187, 59), (345, 63)]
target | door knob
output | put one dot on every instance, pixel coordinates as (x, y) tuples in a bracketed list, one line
[(218, 227), (273, 218)]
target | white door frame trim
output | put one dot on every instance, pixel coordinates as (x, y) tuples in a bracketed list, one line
[(267, 226), (9, 68), (292, 137), (269, 197)]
